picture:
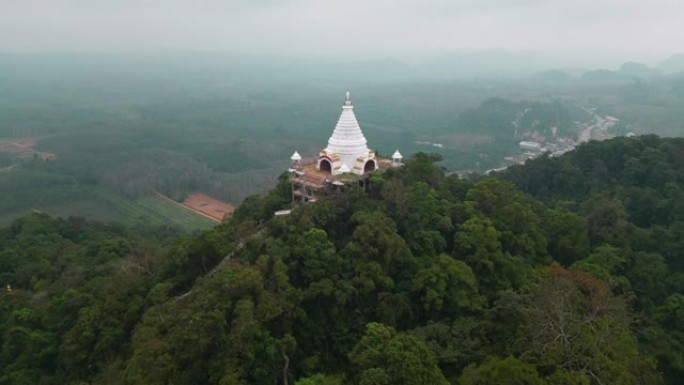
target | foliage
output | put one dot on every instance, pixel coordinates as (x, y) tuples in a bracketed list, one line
[(423, 278), (387, 357), (496, 371)]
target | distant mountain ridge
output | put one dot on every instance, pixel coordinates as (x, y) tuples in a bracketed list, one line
[(639, 70), (496, 63), (628, 70), (674, 63)]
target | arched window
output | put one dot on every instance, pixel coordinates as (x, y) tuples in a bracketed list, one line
[(369, 166), (324, 165)]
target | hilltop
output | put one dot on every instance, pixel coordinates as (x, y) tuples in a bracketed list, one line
[(421, 278)]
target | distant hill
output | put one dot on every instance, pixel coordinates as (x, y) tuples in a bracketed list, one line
[(491, 63), (639, 70), (599, 75), (628, 70), (499, 116), (674, 63), (553, 76)]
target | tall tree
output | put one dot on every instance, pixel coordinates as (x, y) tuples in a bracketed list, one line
[(384, 356)]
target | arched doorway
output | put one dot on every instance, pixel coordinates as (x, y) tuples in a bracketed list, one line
[(324, 165), (369, 166)]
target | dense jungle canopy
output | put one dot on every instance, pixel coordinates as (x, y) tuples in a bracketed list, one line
[(566, 270)]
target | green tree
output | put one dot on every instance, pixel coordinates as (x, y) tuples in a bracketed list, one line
[(428, 223), (507, 371), (320, 379), (477, 243), (447, 288), (567, 236), (384, 356), (607, 220)]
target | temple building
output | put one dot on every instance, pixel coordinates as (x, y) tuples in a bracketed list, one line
[(347, 150), (346, 160)]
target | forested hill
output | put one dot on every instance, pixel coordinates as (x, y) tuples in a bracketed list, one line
[(501, 117), (564, 271)]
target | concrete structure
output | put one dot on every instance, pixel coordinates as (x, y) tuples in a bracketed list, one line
[(296, 160), (345, 161), (396, 159), (530, 145), (347, 151)]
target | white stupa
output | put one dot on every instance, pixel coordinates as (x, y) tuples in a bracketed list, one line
[(347, 151)]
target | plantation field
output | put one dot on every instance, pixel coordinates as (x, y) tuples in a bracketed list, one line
[(104, 205), (155, 211)]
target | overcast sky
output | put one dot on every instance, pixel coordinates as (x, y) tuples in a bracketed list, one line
[(649, 30)]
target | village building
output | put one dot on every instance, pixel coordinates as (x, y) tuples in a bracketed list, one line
[(346, 160)]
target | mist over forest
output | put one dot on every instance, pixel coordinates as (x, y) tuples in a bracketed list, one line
[(153, 224), (563, 270), (226, 124)]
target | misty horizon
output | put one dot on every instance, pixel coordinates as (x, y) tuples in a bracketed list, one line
[(564, 33)]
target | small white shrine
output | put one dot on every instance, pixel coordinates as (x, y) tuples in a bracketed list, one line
[(296, 160), (347, 151), (396, 159)]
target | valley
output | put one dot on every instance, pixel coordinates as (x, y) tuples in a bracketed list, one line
[(129, 129)]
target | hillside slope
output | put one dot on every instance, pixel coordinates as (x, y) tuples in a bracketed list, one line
[(419, 279)]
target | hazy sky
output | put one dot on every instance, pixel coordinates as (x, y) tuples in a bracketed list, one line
[(651, 29)]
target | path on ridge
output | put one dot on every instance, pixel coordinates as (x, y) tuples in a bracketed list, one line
[(241, 245)]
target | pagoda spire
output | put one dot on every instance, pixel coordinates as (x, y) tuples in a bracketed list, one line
[(347, 138)]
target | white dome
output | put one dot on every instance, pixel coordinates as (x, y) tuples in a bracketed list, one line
[(396, 155), (296, 156)]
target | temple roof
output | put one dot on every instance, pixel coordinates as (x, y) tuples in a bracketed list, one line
[(347, 138), (296, 156), (396, 155)]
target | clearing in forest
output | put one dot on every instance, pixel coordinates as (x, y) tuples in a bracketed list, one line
[(208, 206), (23, 148)]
